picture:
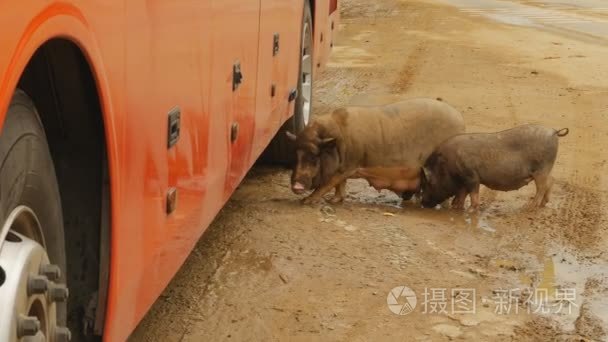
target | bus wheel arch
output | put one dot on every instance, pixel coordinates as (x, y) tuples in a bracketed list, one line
[(61, 84)]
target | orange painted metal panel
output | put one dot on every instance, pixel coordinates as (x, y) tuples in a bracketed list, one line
[(325, 29), (280, 70), (150, 57)]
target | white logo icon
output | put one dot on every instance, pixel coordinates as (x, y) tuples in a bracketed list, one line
[(401, 300)]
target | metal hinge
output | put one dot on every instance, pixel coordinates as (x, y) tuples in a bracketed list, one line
[(237, 75), (173, 126), (234, 131), (292, 95), (171, 200), (275, 44)]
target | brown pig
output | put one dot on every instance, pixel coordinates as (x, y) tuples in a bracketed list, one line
[(387, 145), (505, 161)]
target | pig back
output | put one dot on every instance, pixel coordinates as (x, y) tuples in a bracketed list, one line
[(400, 134), (517, 148)]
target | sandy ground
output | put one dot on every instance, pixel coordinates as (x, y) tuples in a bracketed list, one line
[(271, 269)]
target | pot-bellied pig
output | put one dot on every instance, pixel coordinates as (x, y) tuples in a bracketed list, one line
[(505, 161), (387, 145)]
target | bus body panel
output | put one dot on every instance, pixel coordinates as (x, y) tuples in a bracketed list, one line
[(327, 16)]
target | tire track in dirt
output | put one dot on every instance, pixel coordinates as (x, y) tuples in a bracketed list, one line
[(583, 220), (411, 67), (415, 61), (579, 220)]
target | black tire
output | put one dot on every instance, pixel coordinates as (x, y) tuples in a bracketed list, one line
[(281, 149), (27, 177)]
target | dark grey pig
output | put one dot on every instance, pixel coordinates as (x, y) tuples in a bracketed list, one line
[(505, 161)]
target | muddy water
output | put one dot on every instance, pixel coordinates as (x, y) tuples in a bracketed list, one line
[(270, 268), (586, 278)]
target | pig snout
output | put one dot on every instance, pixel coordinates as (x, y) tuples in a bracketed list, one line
[(302, 181), (299, 182), (428, 203), (429, 199), (297, 187)]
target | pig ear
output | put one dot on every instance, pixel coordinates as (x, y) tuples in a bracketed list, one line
[(290, 136), (327, 142)]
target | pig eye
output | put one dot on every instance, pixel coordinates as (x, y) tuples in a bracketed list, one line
[(311, 158)]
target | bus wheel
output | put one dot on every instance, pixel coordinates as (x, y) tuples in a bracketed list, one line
[(33, 293), (281, 149)]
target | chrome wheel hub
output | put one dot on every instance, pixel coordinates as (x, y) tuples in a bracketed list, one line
[(306, 85), (28, 292)]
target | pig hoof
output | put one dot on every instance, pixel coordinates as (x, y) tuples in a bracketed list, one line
[(457, 205), (336, 200), (406, 196), (531, 206)]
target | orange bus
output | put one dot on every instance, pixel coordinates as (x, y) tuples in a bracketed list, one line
[(125, 126)]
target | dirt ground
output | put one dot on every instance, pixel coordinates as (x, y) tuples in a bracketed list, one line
[(270, 268)]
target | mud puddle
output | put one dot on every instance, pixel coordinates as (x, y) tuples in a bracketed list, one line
[(584, 283)]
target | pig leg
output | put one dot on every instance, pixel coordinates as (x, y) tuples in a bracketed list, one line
[(461, 196), (543, 182), (339, 194), (547, 192), (333, 182), (475, 198)]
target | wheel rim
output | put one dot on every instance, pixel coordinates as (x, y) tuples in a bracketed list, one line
[(28, 293), (306, 80)]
